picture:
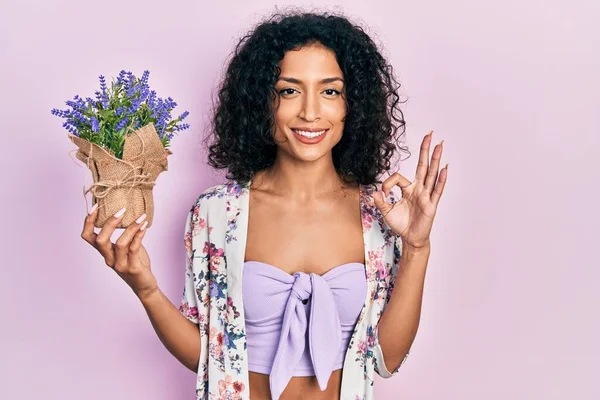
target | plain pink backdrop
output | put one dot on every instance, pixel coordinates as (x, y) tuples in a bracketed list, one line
[(511, 300)]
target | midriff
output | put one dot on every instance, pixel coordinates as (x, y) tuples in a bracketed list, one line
[(298, 388)]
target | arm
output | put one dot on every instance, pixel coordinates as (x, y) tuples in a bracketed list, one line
[(400, 320), (412, 215), (178, 334), (182, 330)]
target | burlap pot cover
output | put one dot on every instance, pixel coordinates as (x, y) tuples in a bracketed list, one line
[(127, 182)]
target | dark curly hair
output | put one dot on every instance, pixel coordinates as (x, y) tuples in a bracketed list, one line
[(243, 119)]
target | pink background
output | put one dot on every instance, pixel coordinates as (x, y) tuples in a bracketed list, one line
[(511, 298)]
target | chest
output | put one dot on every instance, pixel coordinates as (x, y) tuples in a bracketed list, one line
[(313, 237), (223, 239)]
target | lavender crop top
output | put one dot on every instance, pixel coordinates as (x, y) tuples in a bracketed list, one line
[(300, 324)]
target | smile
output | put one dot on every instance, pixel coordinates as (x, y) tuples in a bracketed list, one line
[(309, 135)]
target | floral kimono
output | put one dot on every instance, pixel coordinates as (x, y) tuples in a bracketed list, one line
[(215, 240)]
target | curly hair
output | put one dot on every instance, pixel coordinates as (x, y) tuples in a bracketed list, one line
[(243, 119)]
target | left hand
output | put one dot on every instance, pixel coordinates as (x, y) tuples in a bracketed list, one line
[(411, 217)]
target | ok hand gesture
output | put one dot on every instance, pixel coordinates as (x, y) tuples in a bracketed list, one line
[(412, 216)]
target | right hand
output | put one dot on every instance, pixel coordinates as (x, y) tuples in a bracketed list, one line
[(127, 257)]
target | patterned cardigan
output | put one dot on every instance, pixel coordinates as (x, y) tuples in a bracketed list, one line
[(215, 241)]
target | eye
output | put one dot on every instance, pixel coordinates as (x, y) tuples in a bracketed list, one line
[(332, 90), (286, 91)]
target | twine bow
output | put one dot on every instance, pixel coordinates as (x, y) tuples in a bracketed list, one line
[(101, 189)]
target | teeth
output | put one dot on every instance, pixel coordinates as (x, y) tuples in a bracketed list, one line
[(310, 134)]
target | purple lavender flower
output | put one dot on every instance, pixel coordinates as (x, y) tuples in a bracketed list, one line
[(104, 92), (131, 90), (70, 128), (95, 124), (61, 113), (182, 127), (144, 93), (152, 99), (157, 107), (171, 103), (129, 102), (102, 84), (78, 103), (122, 123), (121, 77), (145, 77), (78, 118), (130, 79)]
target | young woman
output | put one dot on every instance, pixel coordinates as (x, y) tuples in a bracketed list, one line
[(291, 263)]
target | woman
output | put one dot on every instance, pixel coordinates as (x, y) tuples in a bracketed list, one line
[(287, 301)]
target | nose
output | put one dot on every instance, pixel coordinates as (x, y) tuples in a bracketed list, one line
[(311, 107)]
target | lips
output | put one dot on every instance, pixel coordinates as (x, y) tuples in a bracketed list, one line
[(309, 140)]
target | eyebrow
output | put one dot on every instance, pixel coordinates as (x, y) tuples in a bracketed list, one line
[(298, 81)]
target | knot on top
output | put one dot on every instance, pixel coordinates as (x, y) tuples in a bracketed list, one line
[(302, 288)]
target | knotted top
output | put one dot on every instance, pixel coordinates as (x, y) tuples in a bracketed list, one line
[(300, 324)]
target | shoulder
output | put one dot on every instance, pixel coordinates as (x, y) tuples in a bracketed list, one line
[(214, 196)]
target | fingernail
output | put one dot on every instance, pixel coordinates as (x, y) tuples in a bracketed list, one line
[(140, 219), (93, 209), (120, 212), (143, 226)]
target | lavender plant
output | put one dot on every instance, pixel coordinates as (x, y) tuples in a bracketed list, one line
[(117, 110)]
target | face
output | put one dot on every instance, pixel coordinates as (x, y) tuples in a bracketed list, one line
[(310, 92)]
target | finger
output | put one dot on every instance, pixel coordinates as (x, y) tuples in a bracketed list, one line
[(395, 179), (88, 233), (122, 244), (380, 203), (423, 164), (432, 174), (103, 243), (439, 187), (136, 243)]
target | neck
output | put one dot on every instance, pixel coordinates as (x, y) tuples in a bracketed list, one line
[(301, 180)]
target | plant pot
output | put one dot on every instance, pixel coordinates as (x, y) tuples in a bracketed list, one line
[(126, 182)]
